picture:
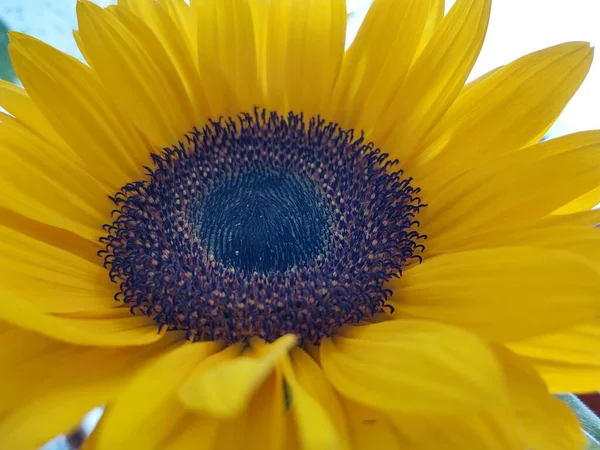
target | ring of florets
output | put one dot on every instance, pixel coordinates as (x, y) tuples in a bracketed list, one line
[(263, 225)]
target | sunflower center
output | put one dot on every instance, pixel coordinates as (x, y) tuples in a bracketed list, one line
[(261, 226), (262, 221)]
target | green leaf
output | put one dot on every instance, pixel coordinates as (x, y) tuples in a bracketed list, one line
[(6, 69), (589, 421)]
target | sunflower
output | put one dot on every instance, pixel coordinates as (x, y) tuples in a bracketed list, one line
[(235, 234)]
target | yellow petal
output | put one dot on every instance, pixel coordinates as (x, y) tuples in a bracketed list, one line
[(57, 237), (523, 186), (492, 429), (49, 185), (114, 328), (435, 79), (79, 109), (434, 17), (32, 424), (553, 232), (496, 292), (537, 410), (167, 20), (412, 366), (265, 417), (134, 67), (260, 426), (15, 100), (225, 389), (315, 429), (378, 60), (195, 431), (52, 279), (505, 111), (312, 380), (583, 203), (47, 386), (371, 429), (147, 408), (304, 50), (234, 51), (578, 219), (568, 360), (497, 233)]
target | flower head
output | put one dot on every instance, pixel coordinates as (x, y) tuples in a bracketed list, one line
[(236, 234)]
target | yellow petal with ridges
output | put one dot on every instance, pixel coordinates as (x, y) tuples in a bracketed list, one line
[(49, 385), (441, 207), (134, 67), (304, 49), (234, 51), (315, 427), (313, 381), (15, 100), (371, 429), (72, 100), (536, 409), (147, 409), (120, 331), (57, 237), (495, 292), (412, 367), (434, 17), (225, 389), (504, 112), (265, 417), (49, 185), (589, 218), (163, 17), (568, 360), (195, 431), (52, 279), (260, 426), (575, 233), (533, 186), (377, 61), (582, 203), (32, 424), (435, 78), (494, 428)]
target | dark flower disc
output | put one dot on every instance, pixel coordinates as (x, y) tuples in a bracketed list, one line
[(263, 225)]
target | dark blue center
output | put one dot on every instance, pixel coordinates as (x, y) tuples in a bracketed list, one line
[(262, 221)]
